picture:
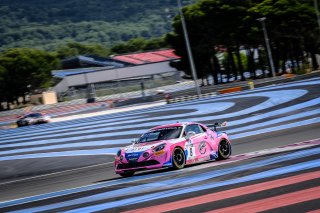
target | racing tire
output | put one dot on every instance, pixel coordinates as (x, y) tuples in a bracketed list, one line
[(21, 125), (127, 174), (224, 151), (178, 158)]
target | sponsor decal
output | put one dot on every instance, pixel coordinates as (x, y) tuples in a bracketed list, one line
[(138, 148), (214, 155), (191, 161), (159, 153), (211, 137), (168, 163), (168, 128), (133, 156), (202, 147), (204, 158)]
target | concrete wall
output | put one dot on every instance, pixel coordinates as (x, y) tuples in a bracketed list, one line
[(62, 86)]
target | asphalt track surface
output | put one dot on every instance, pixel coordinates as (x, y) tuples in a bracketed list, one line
[(79, 153)]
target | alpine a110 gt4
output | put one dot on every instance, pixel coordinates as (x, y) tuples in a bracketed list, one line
[(173, 145)]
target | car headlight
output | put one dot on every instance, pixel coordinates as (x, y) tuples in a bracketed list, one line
[(159, 147), (119, 153)]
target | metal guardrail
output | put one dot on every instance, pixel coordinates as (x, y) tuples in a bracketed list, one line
[(239, 86)]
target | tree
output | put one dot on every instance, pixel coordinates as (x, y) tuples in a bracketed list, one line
[(24, 70), (212, 23), (75, 48), (292, 28), (139, 44), (232, 24), (2, 85)]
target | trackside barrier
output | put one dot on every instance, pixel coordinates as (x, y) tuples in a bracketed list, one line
[(289, 75), (191, 97), (229, 90), (286, 78)]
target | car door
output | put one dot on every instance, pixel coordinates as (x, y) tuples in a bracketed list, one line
[(196, 144)]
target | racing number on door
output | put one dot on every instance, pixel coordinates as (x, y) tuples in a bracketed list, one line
[(192, 152)]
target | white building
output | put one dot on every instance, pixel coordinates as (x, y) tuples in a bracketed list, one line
[(133, 66)]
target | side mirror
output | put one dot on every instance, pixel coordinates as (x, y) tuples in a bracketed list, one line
[(223, 124), (134, 141), (190, 134)]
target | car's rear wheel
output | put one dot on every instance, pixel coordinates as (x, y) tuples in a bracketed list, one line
[(127, 174), (179, 158), (224, 151)]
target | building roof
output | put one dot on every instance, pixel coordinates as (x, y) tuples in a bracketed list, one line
[(86, 64), (64, 73), (91, 61), (148, 57)]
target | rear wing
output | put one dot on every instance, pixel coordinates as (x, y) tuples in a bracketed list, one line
[(217, 124)]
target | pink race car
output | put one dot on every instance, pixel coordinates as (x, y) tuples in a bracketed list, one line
[(173, 145)]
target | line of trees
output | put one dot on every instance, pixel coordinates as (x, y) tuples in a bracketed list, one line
[(233, 25), (23, 70)]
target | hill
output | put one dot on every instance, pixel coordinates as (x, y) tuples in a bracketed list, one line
[(49, 23)]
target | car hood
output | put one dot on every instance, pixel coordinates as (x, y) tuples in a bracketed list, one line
[(140, 147)]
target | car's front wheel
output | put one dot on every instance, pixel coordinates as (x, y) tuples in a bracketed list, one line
[(224, 151), (127, 174), (179, 158)]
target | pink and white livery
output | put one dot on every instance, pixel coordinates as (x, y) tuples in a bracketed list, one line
[(173, 145)]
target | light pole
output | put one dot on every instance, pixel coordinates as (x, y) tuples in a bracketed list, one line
[(91, 92), (266, 38), (186, 38)]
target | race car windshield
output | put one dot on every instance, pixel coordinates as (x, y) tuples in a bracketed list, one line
[(161, 134), (34, 115)]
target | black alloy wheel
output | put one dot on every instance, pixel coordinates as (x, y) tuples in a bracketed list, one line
[(224, 151), (179, 158)]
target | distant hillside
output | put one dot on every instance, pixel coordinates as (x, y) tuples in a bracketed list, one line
[(49, 23)]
